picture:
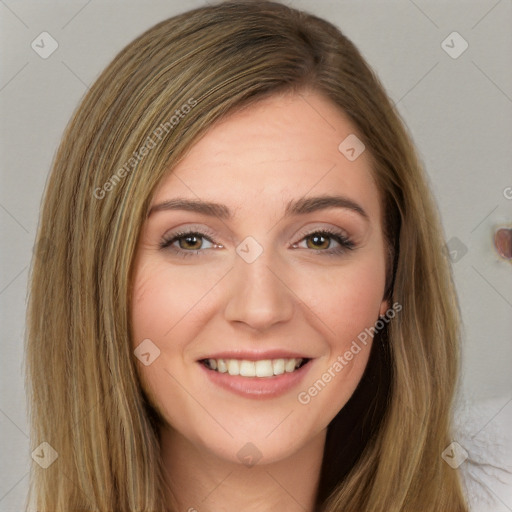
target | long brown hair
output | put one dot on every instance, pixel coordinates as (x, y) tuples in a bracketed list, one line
[(149, 106)]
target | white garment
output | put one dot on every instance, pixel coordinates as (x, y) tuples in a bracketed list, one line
[(484, 431)]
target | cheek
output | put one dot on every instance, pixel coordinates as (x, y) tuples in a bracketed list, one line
[(169, 307), (345, 299), (164, 302), (165, 296), (345, 305)]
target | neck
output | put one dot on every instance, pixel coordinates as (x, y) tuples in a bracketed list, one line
[(202, 482)]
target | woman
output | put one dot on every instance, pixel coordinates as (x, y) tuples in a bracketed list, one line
[(245, 303)]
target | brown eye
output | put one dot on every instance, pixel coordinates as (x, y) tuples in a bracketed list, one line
[(190, 242), (326, 242), (318, 241)]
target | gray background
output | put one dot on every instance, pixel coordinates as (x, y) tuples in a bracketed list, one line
[(459, 112)]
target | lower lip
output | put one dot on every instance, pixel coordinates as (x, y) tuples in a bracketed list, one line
[(258, 387)]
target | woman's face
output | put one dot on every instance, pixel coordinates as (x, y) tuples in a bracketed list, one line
[(284, 266)]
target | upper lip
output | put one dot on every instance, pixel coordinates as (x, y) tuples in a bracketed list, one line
[(255, 355)]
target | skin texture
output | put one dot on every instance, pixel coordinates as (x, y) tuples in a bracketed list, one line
[(292, 297)]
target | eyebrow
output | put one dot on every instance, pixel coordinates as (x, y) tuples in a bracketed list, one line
[(300, 206)]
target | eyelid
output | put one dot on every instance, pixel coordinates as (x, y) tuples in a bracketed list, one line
[(190, 228), (319, 229)]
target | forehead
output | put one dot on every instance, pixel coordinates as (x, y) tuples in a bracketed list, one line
[(282, 147)]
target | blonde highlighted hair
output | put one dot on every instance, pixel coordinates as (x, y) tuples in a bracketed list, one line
[(85, 399)]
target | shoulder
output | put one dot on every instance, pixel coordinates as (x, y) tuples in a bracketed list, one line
[(483, 433)]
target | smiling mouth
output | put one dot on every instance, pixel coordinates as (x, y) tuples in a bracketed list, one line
[(262, 368)]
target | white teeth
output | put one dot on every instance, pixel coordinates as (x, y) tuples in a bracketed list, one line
[(278, 365), (289, 365), (233, 367), (262, 368), (247, 369), (221, 365)]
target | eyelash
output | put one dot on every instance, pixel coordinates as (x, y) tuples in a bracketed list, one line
[(345, 243)]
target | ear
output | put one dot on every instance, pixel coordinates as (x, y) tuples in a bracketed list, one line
[(384, 306)]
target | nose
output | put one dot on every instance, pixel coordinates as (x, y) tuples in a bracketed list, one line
[(259, 295)]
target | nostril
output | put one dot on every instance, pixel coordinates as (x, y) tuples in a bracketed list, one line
[(503, 242)]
